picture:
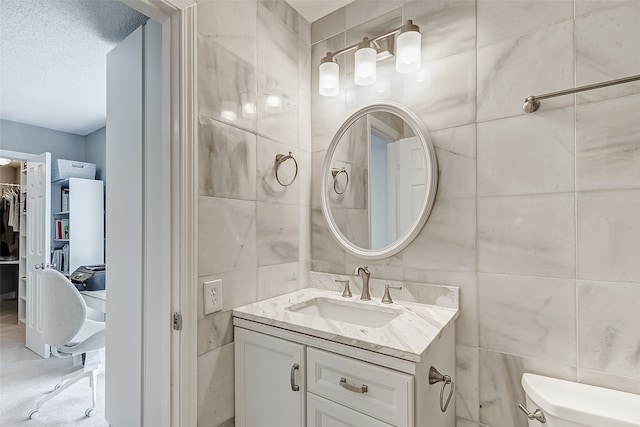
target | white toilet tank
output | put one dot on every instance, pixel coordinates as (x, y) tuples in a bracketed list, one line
[(570, 404)]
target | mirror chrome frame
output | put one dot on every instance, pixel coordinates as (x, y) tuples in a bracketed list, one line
[(432, 182)]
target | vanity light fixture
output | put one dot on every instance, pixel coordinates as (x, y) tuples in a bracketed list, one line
[(367, 52), (4, 162)]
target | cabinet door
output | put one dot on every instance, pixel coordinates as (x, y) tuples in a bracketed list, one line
[(270, 381), (325, 413)]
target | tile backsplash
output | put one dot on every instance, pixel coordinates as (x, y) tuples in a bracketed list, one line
[(536, 215)]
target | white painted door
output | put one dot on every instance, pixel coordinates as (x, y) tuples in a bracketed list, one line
[(38, 246), (270, 381), (411, 182), (137, 386)]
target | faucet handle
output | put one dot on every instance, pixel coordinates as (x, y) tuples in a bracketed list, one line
[(386, 299), (346, 293)]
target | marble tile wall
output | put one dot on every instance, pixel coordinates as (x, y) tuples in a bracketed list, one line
[(254, 60), (536, 215)]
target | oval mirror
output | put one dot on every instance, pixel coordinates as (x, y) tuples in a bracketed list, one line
[(379, 182)]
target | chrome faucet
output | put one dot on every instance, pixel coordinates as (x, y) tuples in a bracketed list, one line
[(364, 273)]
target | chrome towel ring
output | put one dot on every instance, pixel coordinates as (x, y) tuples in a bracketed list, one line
[(280, 159), (335, 172)]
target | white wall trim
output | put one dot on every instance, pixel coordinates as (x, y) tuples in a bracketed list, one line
[(184, 197)]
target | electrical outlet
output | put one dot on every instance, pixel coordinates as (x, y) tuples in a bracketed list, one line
[(212, 296)]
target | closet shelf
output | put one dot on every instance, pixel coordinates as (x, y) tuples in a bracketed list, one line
[(61, 213)]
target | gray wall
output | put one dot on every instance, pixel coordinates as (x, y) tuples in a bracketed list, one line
[(16, 136), (536, 218), (96, 152)]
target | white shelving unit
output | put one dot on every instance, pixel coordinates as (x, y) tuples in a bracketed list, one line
[(84, 215), (22, 266)]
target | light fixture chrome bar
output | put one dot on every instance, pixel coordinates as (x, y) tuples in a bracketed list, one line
[(354, 46), (532, 103)]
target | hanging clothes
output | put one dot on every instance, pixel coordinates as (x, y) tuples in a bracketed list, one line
[(16, 213), (12, 212)]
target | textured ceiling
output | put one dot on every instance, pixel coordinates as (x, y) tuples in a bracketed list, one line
[(53, 60), (312, 10)]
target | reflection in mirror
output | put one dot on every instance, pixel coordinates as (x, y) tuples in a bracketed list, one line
[(381, 180)]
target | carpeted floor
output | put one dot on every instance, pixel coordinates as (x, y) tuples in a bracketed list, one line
[(25, 378)]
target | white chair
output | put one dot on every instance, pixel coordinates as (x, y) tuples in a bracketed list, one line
[(68, 331)]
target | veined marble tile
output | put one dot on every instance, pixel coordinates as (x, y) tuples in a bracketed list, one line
[(227, 235), (500, 20), (532, 64), (304, 175), (274, 280), (304, 121), (232, 25), (608, 320), (389, 86), (530, 154), (527, 235), (467, 323), (323, 246), (226, 161), (378, 271), (216, 386), (304, 70), (609, 236), (541, 325), (227, 85), (277, 47), (466, 423), (268, 188), (456, 156), (448, 239), (378, 24), (304, 236), (289, 17), (231, 422), (606, 49), (337, 267), (608, 144), (501, 390), (613, 382), (214, 331), (447, 27), (443, 92), (362, 11), (586, 7), (277, 233), (467, 387), (278, 109), (328, 26)]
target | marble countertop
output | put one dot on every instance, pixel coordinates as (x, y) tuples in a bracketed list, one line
[(408, 336)]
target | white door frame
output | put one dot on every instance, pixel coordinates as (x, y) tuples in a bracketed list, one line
[(178, 18)]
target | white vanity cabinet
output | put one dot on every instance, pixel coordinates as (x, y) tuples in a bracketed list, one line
[(270, 380), (289, 379)]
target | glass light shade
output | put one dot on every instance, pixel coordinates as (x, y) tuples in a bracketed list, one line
[(329, 79), (365, 69), (408, 46), (4, 162)]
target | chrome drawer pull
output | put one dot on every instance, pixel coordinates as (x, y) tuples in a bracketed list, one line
[(294, 386), (362, 389)]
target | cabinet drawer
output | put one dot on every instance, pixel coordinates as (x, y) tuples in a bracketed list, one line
[(373, 390), (325, 413)]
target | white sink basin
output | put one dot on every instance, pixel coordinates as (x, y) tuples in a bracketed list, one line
[(346, 311)]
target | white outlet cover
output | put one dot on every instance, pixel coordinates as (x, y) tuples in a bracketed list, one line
[(212, 296)]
